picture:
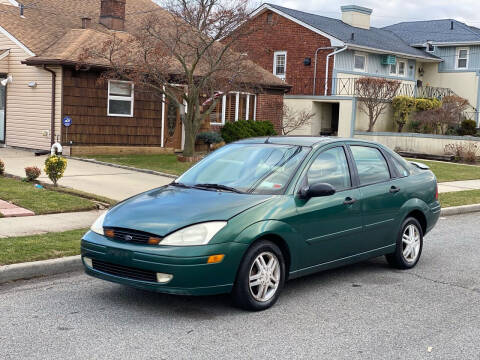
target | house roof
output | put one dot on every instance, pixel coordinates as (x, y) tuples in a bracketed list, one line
[(46, 21), (439, 31), (370, 39), (51, 29), (70, 48)]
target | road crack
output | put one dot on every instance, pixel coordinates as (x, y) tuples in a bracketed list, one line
[(475, 290)]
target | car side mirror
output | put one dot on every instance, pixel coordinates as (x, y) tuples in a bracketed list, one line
[(316, 190)]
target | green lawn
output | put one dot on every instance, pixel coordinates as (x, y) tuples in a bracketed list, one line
[(41, 201), (40, 247), (166, 163), (459, 198), (446, 171)]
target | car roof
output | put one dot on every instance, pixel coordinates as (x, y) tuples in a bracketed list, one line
[(311, 141)]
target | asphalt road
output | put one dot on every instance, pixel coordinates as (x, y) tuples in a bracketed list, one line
[(365, 311)]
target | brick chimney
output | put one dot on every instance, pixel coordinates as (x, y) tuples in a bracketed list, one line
[(357, 16), (112, 14)]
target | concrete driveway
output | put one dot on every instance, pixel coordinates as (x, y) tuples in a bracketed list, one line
[(364, 311), (116, 184)]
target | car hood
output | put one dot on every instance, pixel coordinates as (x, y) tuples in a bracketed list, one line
[(166, 209)]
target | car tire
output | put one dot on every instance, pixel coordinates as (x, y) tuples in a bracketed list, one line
[(254, 269), (409, 245)]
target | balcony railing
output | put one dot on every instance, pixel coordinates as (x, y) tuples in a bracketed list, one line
[(347, 87)]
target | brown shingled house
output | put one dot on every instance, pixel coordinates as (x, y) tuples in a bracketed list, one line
[(40, 43)]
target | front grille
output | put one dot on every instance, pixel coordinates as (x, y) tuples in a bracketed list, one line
[(131, 236), (124, 271)]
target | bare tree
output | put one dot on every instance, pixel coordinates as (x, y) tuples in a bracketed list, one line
[(176, 54), (375, 94), (448, 115), (293, 120)]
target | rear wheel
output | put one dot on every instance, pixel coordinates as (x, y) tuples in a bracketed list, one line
[(409, 245), (260, 278)]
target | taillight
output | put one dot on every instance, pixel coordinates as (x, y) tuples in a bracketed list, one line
[(436, 191)]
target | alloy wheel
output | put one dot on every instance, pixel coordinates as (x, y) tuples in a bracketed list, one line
[(411, 243), (264, 276)]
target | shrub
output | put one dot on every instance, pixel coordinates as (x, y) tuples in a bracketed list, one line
[(242, 129), (423, 104), (210, 137), (55, 167), (32, 173), (467, 127), (466, 152), (439, 120), (2, 167), (403, 106)]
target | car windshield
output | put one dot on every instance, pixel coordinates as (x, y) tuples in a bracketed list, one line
[(246, 168)]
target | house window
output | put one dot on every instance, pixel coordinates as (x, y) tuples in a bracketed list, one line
[(359, 62), (120, 98), (430, 48), (280, 64), (402, 68), (233, 107), (393, 69), (462, 58)]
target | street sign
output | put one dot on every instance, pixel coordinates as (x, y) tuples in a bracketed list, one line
[(67, 121)]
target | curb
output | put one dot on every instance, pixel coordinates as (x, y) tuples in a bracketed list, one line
[(457, 210), (131, 168), (39, 268)]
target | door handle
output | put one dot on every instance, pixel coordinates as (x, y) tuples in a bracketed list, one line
[(394, 189), (349, 201)]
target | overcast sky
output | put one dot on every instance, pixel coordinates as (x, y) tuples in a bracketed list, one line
[(386, 12)]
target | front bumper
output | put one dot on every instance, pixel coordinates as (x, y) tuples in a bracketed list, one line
[(188, 265)]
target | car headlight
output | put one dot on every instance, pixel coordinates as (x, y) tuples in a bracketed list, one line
[(97, 226), (199, 234)]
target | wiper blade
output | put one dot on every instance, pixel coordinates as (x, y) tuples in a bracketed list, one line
[(219, 187), (179, 184)]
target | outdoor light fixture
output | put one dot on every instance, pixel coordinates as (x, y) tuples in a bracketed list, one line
[(32, 84)]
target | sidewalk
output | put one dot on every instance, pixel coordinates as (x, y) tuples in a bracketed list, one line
[(42, 224), (454, 186), (113, 183)]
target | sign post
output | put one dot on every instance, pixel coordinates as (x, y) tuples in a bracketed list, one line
[(66, 121)]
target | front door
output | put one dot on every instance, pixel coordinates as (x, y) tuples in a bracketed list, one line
[(3, 98), (173, 126), (331, 225)]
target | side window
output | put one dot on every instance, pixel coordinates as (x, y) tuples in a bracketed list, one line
[(371, 165), (330, 167)]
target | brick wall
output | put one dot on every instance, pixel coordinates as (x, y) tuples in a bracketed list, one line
[(299, 42), (270, 108)]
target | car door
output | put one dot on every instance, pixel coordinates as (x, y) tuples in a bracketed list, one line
[(330, 225), (379, 194)]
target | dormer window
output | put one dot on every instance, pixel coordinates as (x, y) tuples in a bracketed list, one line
[(430, 47), (462, 58)]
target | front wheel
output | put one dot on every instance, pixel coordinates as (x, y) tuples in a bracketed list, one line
[(260, 278), (409, 245)]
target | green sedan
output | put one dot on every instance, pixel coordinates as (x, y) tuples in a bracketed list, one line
[(259, 212)]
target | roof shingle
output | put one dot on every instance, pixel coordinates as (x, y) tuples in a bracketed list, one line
[(375, 38)]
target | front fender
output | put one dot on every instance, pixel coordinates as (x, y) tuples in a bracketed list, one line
[(278, 229)]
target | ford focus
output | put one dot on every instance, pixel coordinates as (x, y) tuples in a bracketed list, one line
[(259, 212)]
